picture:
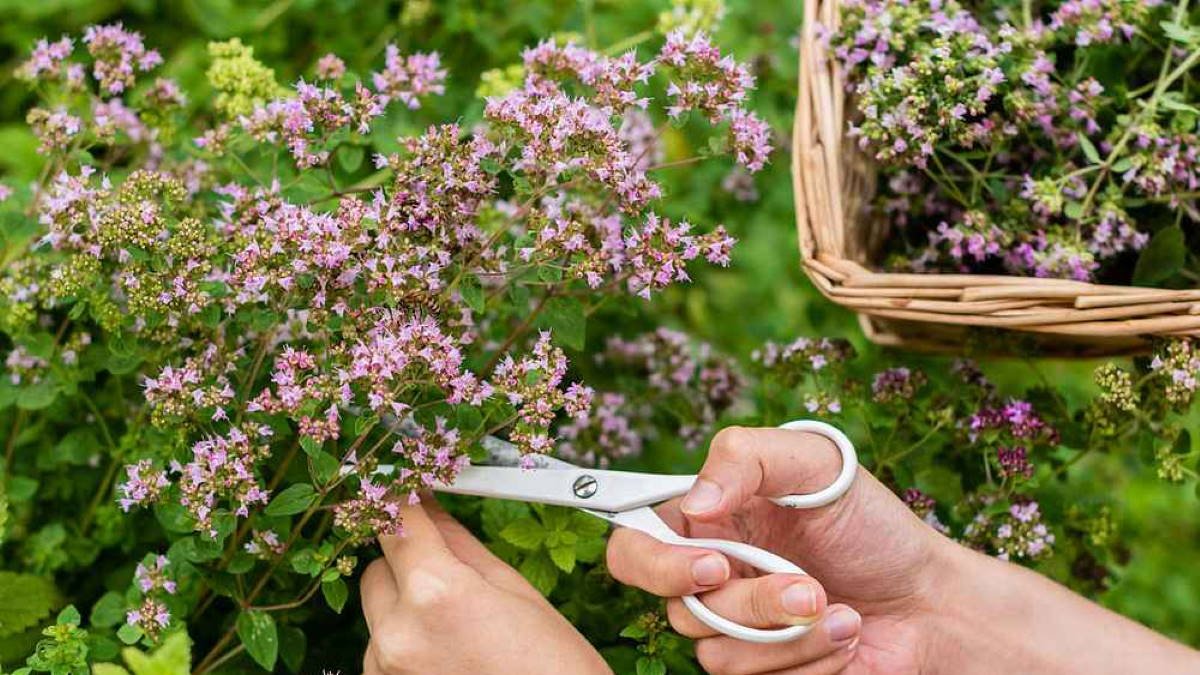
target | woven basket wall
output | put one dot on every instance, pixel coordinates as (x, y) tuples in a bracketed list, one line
[(833, 182)]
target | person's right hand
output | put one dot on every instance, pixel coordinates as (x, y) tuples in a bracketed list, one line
[(877, 563)]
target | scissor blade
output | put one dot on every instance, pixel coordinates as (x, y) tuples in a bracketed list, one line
[(578, 487)]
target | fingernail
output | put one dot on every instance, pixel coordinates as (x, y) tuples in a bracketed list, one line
[(843, 624), (799, 600), (704, 496), (710, 570)]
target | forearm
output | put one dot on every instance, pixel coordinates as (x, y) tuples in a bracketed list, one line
[(992, 616)]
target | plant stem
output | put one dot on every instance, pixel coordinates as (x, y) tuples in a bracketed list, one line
[(11, 445), (518, 332)]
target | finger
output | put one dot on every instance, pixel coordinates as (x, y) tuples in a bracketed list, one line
[(637, 559), (370, 663), (832, 664), (836, 636), (770, 601), (378, 590), (743, 462), (471, 551), (420, 544)]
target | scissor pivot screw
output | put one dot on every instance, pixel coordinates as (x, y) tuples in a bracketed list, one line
[(585, 486)]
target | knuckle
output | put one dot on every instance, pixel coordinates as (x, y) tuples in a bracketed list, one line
[(375, 573), (728, 440), (429, 593), (681, 618), (713, 657), (765, 605), (398, 653)]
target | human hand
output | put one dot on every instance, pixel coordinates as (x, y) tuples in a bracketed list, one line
[(440, 602), (876, 562)]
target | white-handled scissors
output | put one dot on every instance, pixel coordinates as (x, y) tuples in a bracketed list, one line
[(626, 499)]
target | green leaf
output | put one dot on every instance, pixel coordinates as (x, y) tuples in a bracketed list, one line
[(496, 514), (37, 396), (108, 669), (634, 631), (587, 526), (108, 611), (1073, 210), (122, 364), (1122, 165), (241, 562), (364, 423), (324, 467), (589, 550), (350, 157), (256, 629), (1089, 150), (21, 488), (293, 500), (525, 533), (1173, 101), (566, 320), (335, 593), (310, 446), (129, 634), (173, 657), (1179, 32), (292, 645), (541, 572), (1183, 443), (563, 557), (1162, 258), (472, 293), (25, 601), (174, 517), (68, 616), (648, 665)]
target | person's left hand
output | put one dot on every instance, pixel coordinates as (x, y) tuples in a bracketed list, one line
[(440, 602)]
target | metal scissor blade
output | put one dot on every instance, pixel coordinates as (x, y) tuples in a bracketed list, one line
[(502, 453), (570, 486)]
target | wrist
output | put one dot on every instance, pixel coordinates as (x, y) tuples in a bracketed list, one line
[(977, 614), (986, 615)]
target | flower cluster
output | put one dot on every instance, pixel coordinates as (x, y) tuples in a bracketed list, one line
[(602, 434), (716, 87), (803, 355), (897, 384), (1015, 534), (118, 55), (1178, 367), (1015, 419), (704, 383), (152, 582)]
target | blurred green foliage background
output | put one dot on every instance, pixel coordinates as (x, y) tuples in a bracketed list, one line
[(763, 295)]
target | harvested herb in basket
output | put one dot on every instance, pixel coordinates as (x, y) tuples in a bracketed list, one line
[(1038, 139)]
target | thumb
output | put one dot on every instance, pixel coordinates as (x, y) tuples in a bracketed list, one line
[(766, 462)]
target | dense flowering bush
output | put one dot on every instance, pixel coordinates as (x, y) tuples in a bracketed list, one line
[(1050, 140), (237, 312)]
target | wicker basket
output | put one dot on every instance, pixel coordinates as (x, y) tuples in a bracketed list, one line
[(833, 181)]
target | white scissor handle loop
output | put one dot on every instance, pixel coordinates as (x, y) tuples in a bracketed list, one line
[(845, 477), (766, 561)]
